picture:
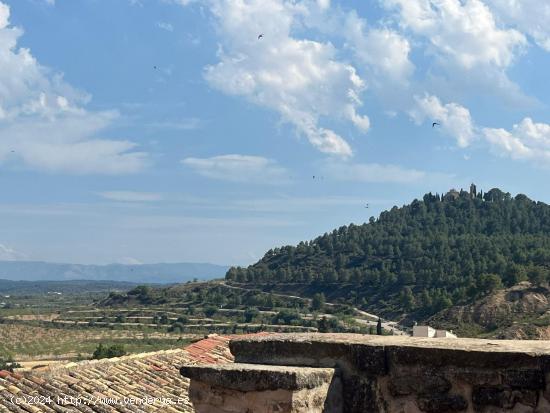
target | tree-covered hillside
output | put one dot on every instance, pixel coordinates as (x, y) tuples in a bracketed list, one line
[(421, 258)]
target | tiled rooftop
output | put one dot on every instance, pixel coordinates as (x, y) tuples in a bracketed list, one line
[(85, 386)]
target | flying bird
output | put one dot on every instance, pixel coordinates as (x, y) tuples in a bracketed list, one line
[(260, 36), (367, 206), (435, 123)]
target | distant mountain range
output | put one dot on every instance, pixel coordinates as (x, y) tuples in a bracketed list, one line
[(10, 288), (144, 273)]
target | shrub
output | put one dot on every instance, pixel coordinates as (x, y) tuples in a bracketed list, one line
[(102, 352)]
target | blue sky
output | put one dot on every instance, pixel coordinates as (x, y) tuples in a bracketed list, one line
[(166, 131)]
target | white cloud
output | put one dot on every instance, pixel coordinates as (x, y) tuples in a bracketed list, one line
[(182, 124), (373, 173), (165, 26), (529, 16), (9, 254), (526, 141), (43, 121), (130, 196), (181, 2), (301, 79), (454, 120), (385, 51), (463, 31), (238, 168)]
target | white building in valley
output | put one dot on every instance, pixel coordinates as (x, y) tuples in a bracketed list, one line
[(427, 331)]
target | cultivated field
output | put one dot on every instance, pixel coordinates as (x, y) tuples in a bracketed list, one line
[(27, 342)]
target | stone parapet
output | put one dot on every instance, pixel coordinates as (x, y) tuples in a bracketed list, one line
[(410, 375), (239, 387)]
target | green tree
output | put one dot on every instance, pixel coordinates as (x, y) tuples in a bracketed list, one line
[(250, 314), (490, 282), (115, 350), (210, 310), (322, 325), (318, 302)]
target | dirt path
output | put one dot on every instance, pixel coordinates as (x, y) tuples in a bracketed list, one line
[(372, 321)]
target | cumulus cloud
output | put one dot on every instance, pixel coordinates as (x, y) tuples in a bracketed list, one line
[(238, 168), (526, 141), (529, 16), (130, 196), (455, 120), (383, 50), (43, 121), (303, 80), (463, 31)]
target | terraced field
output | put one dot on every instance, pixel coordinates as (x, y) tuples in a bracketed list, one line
[(26, 341)]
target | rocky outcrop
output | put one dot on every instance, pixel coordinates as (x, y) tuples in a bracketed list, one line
[(520, 313)]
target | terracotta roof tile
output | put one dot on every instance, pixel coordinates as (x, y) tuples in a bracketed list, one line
[(138, 376)]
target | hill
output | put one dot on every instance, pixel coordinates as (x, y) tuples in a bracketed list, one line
[(145, 273), (416, 261)]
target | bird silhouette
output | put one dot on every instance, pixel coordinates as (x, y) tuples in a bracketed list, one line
[(367, 206), (260, 36), (435, 123)]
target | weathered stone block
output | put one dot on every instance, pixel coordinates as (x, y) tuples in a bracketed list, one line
[(503, 396), (243, 388), (442, 403), (360, 395), (311, 351), (255, 377), (419, 384), (524, 379)]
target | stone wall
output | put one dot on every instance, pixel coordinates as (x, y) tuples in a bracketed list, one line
[(401, 374)]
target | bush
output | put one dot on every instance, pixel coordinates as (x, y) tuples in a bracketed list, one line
[(287, 317), (103, 352), (250, 314), (210, 310), (177, 327)]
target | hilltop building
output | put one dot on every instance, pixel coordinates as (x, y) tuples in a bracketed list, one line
[(452, 195)]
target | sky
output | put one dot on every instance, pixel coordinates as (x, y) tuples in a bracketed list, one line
[(143, 131)]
